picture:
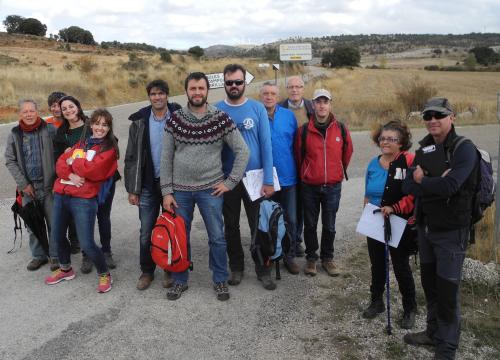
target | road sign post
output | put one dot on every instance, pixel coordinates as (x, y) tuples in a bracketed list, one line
[(276, 68)]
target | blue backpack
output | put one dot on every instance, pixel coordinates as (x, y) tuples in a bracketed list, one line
[(271, 240)]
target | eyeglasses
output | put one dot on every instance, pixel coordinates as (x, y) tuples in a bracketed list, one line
[(295, 87), (429, 115), (234, 82), (388, 139)]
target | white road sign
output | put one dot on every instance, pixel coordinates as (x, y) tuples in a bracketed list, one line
[(295, 52), (216, 80)]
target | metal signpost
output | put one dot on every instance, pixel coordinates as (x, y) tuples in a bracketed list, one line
[(216, 80)]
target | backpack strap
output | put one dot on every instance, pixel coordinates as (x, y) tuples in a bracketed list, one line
[(303, 143), (344, 146)]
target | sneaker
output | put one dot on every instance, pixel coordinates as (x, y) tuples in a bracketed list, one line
[(408, 320), (419, 338), (167, 281), (376, 307), (176, 291), (330, 268), (299, 250), (222, 291), (144, 281), (105, 281), (236, 277), (54, 264), (267, 282), (110, 262), (87, 265), (292, 266), (310, 268), (35, 264), (60, 275)]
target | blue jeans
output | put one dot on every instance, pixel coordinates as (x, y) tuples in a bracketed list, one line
[(104, 220), (83, 212), (46, 199), (287, 198), (211, 211), (149, 210), (326, 198)]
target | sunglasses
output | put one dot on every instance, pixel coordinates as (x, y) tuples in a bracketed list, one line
[(234, 82), (388, 139), (429, 115)]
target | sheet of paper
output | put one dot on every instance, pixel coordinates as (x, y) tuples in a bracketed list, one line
[(253, 181), (372, 225), (67, 182)]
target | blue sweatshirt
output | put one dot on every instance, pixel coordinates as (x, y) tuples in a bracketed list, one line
[(252, 121), (283, 130)]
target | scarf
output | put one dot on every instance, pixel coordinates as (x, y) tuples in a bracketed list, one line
[(91, 142), (30, 128)]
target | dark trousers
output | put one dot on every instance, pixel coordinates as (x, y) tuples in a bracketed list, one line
[(300, 215), (401, 264), (442, 255), (325, 198), (231, 212)]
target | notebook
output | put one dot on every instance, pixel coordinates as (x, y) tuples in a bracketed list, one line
[(432, 159)]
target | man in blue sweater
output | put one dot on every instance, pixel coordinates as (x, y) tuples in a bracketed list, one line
[(250, 117)]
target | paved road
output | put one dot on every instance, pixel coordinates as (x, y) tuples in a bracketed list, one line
[(72, 321)]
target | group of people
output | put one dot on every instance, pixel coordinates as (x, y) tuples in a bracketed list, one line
[(181, 156)]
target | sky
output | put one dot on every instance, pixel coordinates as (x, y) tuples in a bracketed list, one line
[(185, 23)]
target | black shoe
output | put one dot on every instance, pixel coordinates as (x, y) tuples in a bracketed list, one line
[(108, 257), (408, 320), (176, 291), (222, 291), (267, 282), (299, 250), (376, 307), (87, 265), (35, 264), (236, 277), (419, 338)]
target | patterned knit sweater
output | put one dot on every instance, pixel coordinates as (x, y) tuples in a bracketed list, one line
[(192, 146)]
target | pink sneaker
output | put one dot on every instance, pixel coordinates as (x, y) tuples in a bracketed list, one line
[(105, 282), (58, 275)]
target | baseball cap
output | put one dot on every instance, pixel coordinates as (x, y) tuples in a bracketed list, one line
[(321, 93), (438, 104)]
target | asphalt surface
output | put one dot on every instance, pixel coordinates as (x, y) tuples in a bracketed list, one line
[(72, 321)]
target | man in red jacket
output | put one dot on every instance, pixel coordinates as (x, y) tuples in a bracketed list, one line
[(323, 154)]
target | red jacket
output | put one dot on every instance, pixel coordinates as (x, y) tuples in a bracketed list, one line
[(324, 161), (101, 167)]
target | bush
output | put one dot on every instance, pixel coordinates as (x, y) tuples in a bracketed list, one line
[(134, 63), (165, 57), (415, 94), (75, 34), (432, 68), (86, 64), (485, 55), (196, 51)]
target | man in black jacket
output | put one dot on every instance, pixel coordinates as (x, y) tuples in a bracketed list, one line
[(142, 170), (444, 203)]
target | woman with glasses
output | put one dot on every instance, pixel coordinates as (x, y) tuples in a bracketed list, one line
[(383, 181)]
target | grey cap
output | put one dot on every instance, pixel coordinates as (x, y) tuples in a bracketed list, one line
[(321, 93), (438, 104)]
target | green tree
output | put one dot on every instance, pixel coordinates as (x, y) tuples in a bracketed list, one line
[(196, 51), (344, 55), (470, 62), (31, 26), (12, 23), (75, 34), (485, 55)]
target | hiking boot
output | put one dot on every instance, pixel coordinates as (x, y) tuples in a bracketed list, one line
[(108, 257), (144, 281), (236, 277), (176, 291), (267, 282), (105, 281), (167, 281), (330, 268), (87, 265), (35, 264), (408, 320), (54, 264), (60, 275), (299, 250), (310, 268), (419, 338), (222, 291), (376, 307), (292, 266), (75, 247)]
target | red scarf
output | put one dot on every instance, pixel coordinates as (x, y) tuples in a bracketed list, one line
[(30, 128)]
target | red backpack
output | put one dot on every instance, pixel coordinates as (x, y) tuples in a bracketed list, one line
[(169, 247)]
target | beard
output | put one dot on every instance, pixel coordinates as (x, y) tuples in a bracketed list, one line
[(198, 102), (235, 95)]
